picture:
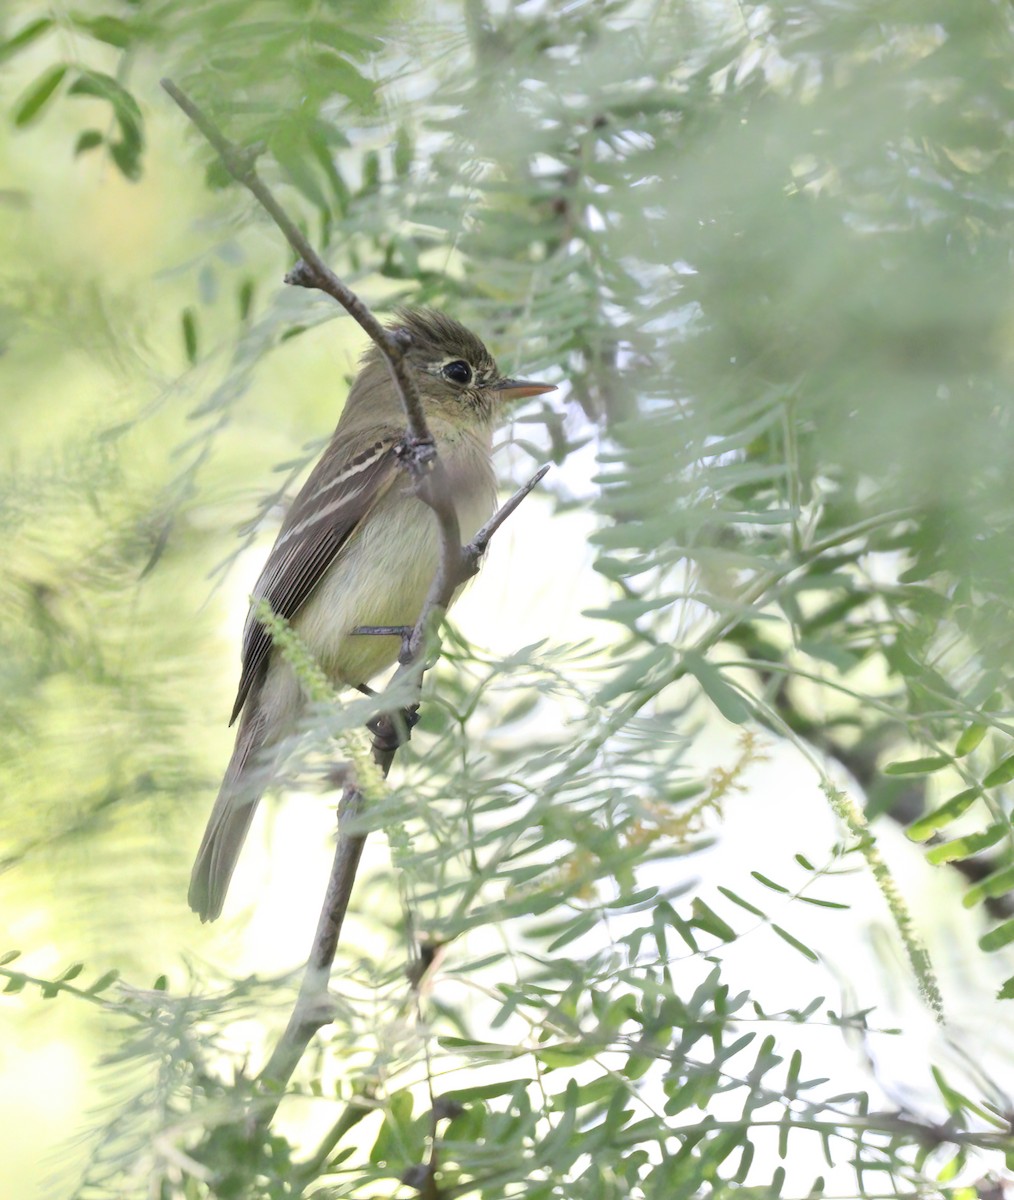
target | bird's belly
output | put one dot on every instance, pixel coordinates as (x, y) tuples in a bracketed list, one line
[(382, 577)]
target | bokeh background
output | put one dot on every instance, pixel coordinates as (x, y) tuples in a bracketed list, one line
[(764, 249)]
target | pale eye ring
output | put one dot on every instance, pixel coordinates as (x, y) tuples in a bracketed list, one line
[(458, 371)]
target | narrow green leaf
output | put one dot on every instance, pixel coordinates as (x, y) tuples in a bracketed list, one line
[(574, 929), (1003, 772), (71, 973), (750, 908), (87, 140), (949, 811), (404, 152), (103, 982), (189, 321), (996, 884), (970, 739), (566, 1054), (127, 156), (634, 674), (770, 883), (126, 150), (965, 847), (245, 299), (725, 698), (822, 903), (485, 1091), (918, 766), (686, 932), (830, 652), (24, 37), (104, 28), (792, 1076), (999, 937), (706, 919), (37, 96), (105, 87), (795, 943), (9, 956)]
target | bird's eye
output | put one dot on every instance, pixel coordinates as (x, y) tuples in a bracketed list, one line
[(458, 371)]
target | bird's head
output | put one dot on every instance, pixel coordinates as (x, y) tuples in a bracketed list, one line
[(456, 375)]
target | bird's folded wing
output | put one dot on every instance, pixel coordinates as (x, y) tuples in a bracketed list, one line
[(330, 507)]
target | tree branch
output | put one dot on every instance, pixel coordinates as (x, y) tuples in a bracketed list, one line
[(311, 271)]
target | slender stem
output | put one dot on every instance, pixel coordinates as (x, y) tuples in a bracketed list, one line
[(311, 271), (313, 1009)]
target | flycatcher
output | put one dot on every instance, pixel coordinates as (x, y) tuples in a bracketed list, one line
[(356, 548)]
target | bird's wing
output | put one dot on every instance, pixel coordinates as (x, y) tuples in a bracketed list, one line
[(330, 507)]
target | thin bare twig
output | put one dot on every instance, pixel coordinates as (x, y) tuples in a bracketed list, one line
[(311, 271)]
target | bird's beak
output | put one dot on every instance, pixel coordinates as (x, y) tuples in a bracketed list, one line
[(514, 389)]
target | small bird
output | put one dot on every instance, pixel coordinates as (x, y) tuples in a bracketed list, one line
[(357, 548)]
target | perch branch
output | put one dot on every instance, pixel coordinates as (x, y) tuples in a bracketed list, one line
[(311, 271)]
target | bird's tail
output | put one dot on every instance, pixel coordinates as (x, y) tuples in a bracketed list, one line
[(244, 783)]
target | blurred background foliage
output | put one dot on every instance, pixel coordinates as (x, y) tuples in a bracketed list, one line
[(765, 248)]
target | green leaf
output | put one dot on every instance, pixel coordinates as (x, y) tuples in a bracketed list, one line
[(634, 675), (126, 150), (918, 766), (104, 28), (103, 982), (245, 299), (970, 739), (965, 847), (565, 1054), (770, 883), (999, 883), (189, 322), (1002, 773), (403, 152), (750, 908), (105, 87), (999, 937), (34, 100), (1007, 991), (9, 956), (830, 652), (725, 698), (24, 37), (822, 903), (87, 140), (949, 811), (795, 943), (706, 919), (574, 929)]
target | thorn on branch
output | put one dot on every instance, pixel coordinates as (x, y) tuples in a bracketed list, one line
[(476, 548), (302, 276)]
